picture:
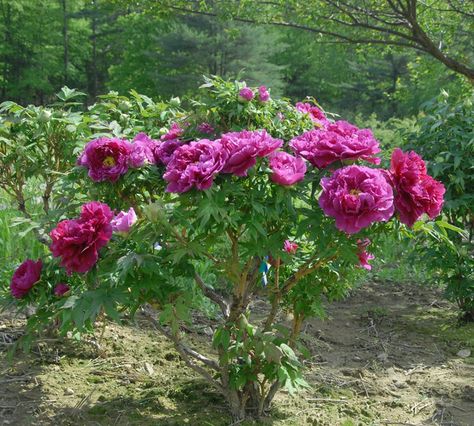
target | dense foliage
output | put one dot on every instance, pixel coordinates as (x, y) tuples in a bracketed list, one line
[(237, 197)]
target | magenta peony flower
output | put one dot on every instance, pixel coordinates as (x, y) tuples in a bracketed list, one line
[(61, 289), (123, 221), (263, 95), (205, 128), (165, 150), (244, 147), (106, 159), (78, 241), (336, 142), (287, 170), (246, 94), (316, 115), (195, 165), (174, 132), (356, 196), (290, 247), (415, 191), (363, 255), (25, 277), (142, 150)]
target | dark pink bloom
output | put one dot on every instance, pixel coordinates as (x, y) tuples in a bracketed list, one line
[(316, 115), (123, 221), (205, 128), (164, 151), (61, 289), (246, 94), (287, 170), (263, 95), (142, 150), (363, 255), (357, 196), (290, 247), (174, 132), (338, 141), (106, 159), (25, 277), (78, 241), (244, 147), (416, 192), (195, 165)]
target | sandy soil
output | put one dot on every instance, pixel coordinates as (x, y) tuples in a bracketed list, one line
[(388, 355)]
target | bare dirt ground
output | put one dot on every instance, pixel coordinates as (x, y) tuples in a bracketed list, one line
[(388, 355)]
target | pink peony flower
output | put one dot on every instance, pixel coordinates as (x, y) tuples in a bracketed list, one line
[(263, 95), (164, 151), (416, 192), (287, 170), (142, 150), (246, 94), (290, 247), (195, 165), (123, 221), (336, 142), (205, 128), (356, 196), (106, 159), (174, 132), (25, 277), (78, 241), (363, 255), (244, 147), (316, 115), (280, 116), (61, 289)]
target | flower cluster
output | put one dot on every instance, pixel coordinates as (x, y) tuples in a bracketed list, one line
[(416, 192), (246, 94), (337, 141), (78, 241)]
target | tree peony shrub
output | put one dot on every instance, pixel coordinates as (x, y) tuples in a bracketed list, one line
[(226, 221)]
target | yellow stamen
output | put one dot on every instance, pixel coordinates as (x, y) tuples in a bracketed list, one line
[(109, 162)]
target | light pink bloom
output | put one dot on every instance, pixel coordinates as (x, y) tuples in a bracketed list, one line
[(363, 255), (123, 221), (316, 115), (290, 247)]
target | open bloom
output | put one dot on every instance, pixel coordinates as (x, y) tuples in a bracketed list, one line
[(357, 196), (246, 94), (363, 255), (337, 142), (263, 95), (78, 241), (290, 247), (123, 221), (142, 150), (61, 289), (195, 165), (106, 159), (174, 132), (316, 115), (244, 147), (416, 192), (287, 170), (25, 277)]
